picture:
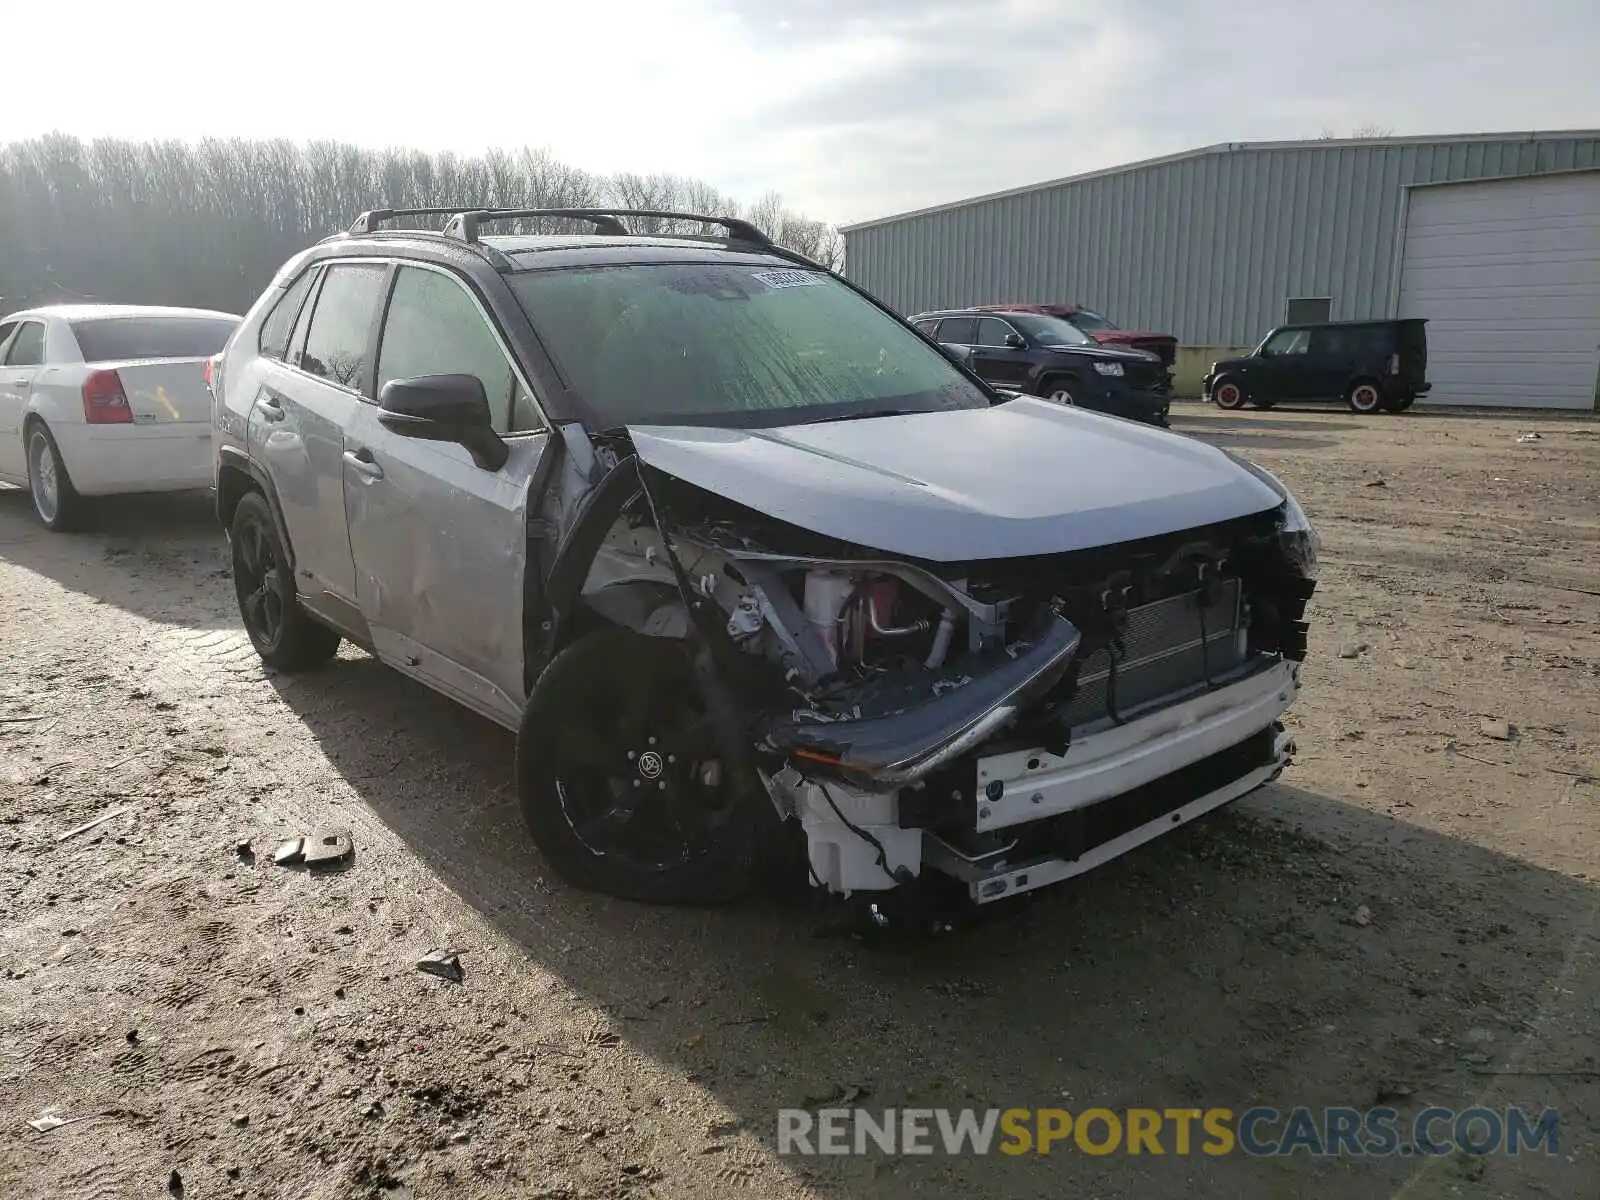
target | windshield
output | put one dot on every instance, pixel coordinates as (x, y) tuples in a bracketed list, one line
[(1049, 331), (117, 339), (732, 344), (1090, 321)]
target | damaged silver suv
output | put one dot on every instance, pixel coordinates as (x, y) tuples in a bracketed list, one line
[(737, 551)]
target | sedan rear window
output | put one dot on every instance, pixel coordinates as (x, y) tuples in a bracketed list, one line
[(118, 339), (732, 344)]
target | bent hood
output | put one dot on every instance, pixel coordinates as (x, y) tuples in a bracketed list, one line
[(1018, 479)]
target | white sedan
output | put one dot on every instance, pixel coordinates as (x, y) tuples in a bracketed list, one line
[(102, 400)]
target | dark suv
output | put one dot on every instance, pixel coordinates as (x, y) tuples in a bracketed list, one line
[(1048, 356), (1370, 365)]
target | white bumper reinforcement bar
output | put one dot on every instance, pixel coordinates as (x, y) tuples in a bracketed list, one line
[(994, 880), (1021, 787)]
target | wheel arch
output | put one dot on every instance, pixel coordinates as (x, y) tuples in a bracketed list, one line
[(237, 476), (1055, 375)]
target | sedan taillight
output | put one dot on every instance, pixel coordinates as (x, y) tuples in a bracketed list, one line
[(104, 401)]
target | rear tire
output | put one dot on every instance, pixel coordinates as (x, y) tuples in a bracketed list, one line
[(55, 501), (1364, 397), (620, 780), (1229, 393), (285, 637)]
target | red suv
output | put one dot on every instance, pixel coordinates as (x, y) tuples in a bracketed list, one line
[(1163, 345)]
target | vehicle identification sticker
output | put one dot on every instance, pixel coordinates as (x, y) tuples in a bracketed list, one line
[(791, 278)]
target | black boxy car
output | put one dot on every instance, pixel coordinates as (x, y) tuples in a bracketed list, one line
[(1370, 365), (1049, 357)]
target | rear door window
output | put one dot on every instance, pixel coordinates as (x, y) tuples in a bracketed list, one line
[(339, 338), (27, 348), (958, 331), (120, 339)]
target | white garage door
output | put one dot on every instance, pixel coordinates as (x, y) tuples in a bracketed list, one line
[(1508, 275)]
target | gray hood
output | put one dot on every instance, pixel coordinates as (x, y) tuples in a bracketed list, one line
[(1022, 478)]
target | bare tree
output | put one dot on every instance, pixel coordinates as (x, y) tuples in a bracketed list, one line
[(209, 223)]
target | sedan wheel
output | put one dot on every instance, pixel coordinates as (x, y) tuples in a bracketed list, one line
[(54, 498)]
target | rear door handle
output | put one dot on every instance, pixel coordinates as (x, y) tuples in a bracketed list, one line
[(362, 462), (271, 407)]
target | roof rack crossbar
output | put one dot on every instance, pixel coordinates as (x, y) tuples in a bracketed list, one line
[(465, 225), (372, 220)]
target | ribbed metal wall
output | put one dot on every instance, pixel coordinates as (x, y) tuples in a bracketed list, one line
[(1206, 246)]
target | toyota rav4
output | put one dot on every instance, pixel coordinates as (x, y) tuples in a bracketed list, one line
[(736, 550)]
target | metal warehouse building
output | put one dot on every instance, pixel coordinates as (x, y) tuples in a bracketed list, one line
[(1495, 238)]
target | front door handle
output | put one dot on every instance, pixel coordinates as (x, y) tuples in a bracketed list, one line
[(362, 462)]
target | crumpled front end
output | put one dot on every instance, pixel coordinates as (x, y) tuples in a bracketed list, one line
[(1005, 723)]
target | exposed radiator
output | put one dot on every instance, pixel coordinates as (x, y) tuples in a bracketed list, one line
[(1162, 653)]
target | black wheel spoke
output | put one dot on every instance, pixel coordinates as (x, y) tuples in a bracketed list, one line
[(250, 551), (608, 827), (255, 605)]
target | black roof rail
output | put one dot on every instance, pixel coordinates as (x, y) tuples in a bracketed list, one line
[(372, 220), (464, 225)]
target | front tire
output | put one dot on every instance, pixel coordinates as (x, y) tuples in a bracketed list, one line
[(1059, 391), (619, 776), (285, 637), (55, 501), (1229, 393), (1364, 397)]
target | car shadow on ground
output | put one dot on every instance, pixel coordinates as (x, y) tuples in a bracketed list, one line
[(147, 541), (1234, 963)]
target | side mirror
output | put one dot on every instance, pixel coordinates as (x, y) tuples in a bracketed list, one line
[(1015, 341), (443, 408)]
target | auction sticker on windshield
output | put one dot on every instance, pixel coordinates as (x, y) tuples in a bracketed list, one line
[(788, 278)]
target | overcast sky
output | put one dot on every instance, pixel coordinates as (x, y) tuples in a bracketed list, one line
[(850, 110)]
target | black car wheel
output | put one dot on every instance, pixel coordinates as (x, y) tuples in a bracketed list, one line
[(620, 779), (1364, 397), (1229, 393), (283, 635)]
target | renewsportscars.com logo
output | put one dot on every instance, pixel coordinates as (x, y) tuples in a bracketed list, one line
[(1258, 1132)]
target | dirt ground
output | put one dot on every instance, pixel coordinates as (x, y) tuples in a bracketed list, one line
[(1410, 915)]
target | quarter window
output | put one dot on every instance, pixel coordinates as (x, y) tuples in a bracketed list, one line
[(434, 328), (27, 348), (341, 327), (275, 330)]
